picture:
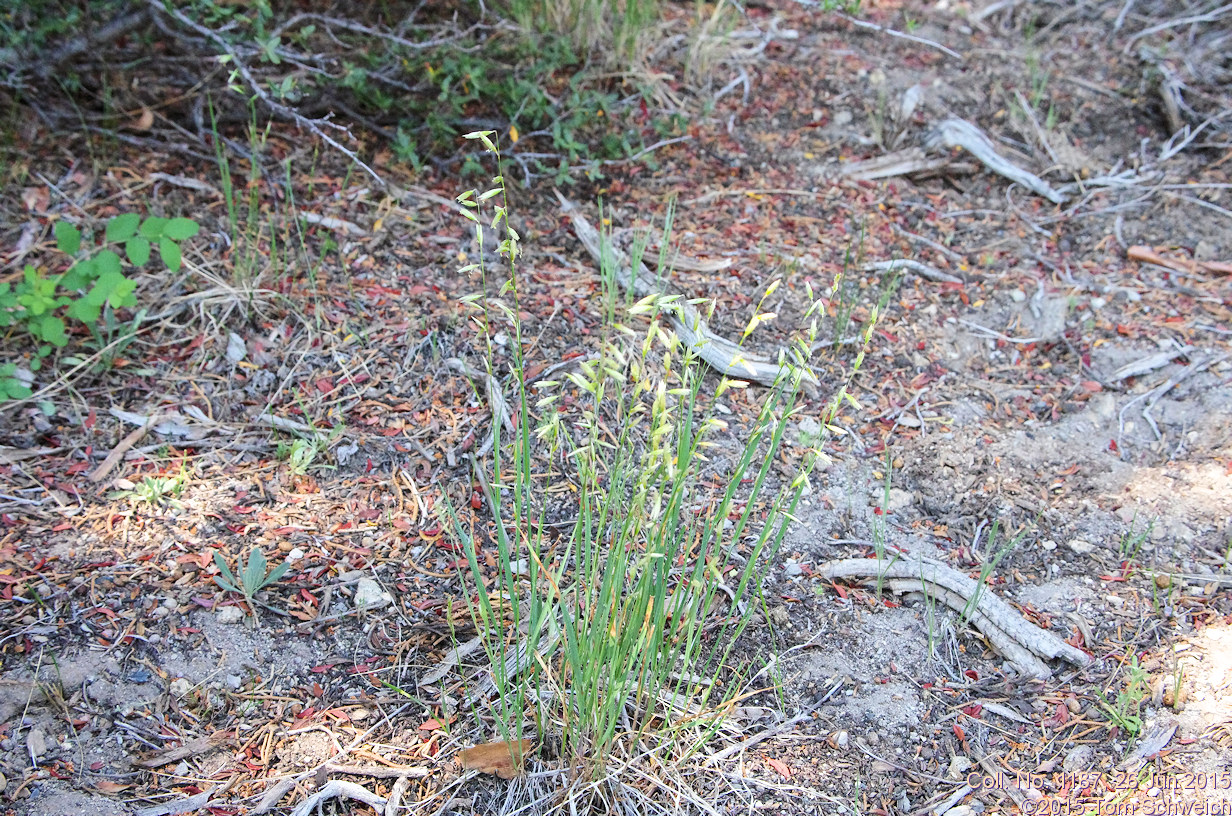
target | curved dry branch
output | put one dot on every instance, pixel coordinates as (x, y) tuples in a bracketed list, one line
[(1021, 642), (720, 353)]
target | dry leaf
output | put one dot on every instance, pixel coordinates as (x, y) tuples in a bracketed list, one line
[(36, 199), (109, 787), (496, 758), (143, 122), (780, 767)]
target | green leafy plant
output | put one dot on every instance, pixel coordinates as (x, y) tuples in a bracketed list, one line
[(253, 577), (11, 386), (156, 491), (93, 287), (301, 454), (624, 630)]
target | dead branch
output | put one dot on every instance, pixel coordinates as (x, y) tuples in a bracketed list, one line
[(955, 132), (88, 42), (1017, 639), (337, 788), (317, 127), (720, 353)]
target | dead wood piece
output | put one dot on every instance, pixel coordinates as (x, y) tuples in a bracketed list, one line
[(1149, 364), (921, 269), (955, 132), (11, 456), (997, 616), (274, 795), (720, 353), (395, 795), (909, 161), (379, 771), (336, 788), (190, 804), (1022, 659)]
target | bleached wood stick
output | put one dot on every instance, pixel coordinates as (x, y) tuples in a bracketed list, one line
[(720, 353)]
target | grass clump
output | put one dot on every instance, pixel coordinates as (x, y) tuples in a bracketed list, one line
[(620, 632)]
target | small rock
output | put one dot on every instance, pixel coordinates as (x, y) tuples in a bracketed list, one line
[(1080, 547), (779, 616), (1205, 251), (1048, 544), (232, 681), (36, 742), (369, 595), (229, 615), (898, 499), (180, 687), (295, 554), (791, 569), (1017, 295), (1079, 759)]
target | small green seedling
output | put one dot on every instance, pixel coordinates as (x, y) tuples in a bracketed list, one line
[(253, 578), (303, 454), (1125, 713), (155, 491)]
